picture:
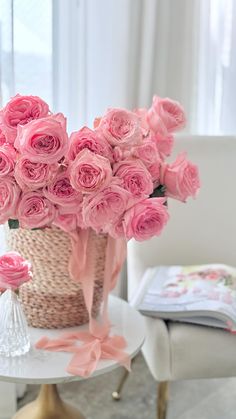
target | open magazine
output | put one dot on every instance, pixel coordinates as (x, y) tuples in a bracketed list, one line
[(203, 294)]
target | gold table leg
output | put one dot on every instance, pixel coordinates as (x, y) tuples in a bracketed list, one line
[(48, 405), (162, 400)]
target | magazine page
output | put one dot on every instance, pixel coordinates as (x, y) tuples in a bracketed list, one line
[(190, 289)]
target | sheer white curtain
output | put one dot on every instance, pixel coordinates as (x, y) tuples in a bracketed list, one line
[(118, 53)]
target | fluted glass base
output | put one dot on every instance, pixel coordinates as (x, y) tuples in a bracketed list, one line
[(14, 335)]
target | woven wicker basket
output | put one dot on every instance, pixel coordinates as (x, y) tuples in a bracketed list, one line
[(52, 299)]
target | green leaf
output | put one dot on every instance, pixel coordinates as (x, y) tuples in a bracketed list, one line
[(159, 191), (13, 223)]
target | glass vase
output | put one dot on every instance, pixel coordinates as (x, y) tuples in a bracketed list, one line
[(14, 334)]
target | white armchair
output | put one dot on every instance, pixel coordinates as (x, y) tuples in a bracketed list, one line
[(201, 231)]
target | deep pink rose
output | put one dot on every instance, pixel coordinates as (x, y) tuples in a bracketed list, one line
[(121, 127), (19, 111), (7, 159), (89, 172), (66, 222), (61, 192), (91, 140), (164, 144), (9, 198), (44, 140), (135, 177), (35, 211), (33, 175), (146, 219), (102, 210), (181, 178), (14, 270), (2, 136), (165, 114)]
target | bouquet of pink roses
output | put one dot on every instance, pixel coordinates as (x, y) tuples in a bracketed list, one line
[(113, 178)]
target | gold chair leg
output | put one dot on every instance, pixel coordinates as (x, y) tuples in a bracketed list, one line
[(162, 400), (48, 405)]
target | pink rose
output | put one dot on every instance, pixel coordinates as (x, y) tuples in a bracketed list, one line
[(2, 136), (7, 159), (102, 210), (33, 175), (181, 178), (164, 144), (147, 152), (19, 111), (142, 115), (14, 270), (89, 172), (165, 114), (9, 198), (146, 219), (135, 177), (121, 127), (35, 211), (116, 230), (61, 192), (44, 140), (91, 140), (66, 222)]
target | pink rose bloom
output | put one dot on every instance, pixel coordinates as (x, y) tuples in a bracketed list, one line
[(146, 219), (44, 140), (116, 230), (91, 140), (142, 115), (135, 177), (89, 172), (61, 192), (121, 127), (33, 175), (147, 152), (2, 136), (165, 114), (66, 222), (7, 159), (181, 178), (19, 111), (14, 270), (9, 198), (103, 209), (164, 144), (35, 211)]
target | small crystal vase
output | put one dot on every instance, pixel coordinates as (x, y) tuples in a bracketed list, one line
[(14, 334)]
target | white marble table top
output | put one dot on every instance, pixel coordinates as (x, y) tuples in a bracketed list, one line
[(44, 367)]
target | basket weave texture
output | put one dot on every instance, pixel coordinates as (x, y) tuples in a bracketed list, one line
[(52, 299)]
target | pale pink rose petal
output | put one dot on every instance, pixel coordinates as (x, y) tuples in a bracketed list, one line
[(89, 172), (164, 144), (135, 177), (85, 138), (146, 219), (121, 127), (19, 111), (35, 211), (169, 112), (7, 159), (180, 178), (61, 192), (14, 270), (34, 175), (44, 140), (66, 222), (9, 198)]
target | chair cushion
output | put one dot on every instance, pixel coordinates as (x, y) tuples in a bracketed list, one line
[(179, 351)]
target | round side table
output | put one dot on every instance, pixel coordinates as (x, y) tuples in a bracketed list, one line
[(49, 368)]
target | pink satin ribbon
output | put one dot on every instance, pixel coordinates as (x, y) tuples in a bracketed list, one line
[(96, 344)]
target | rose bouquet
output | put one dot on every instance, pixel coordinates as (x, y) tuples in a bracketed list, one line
[(113, 179), (98, 187)]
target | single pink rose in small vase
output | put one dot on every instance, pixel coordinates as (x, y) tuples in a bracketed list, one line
[(14, 272)]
